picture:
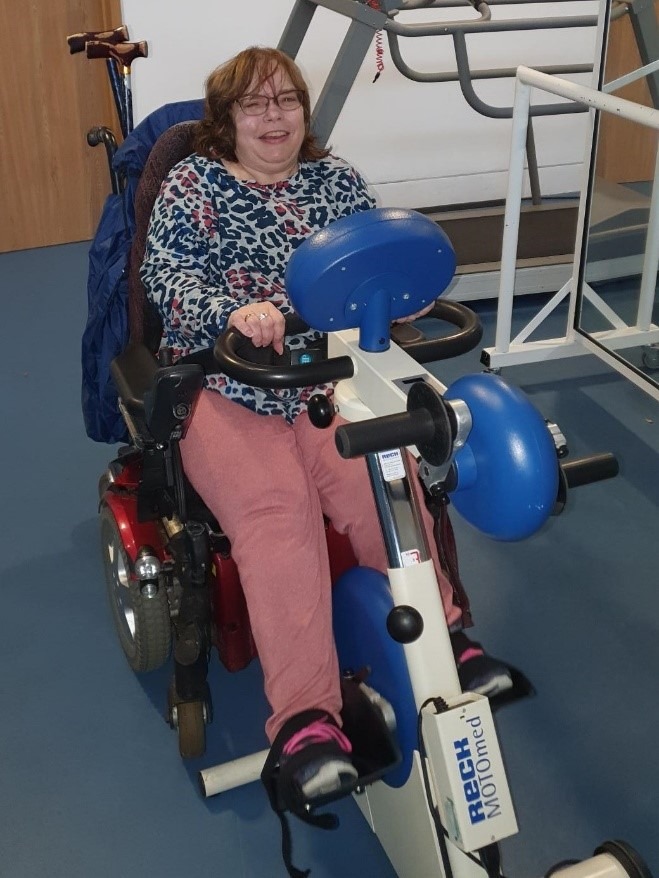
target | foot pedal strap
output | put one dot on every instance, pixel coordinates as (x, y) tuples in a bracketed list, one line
[(284, 796)]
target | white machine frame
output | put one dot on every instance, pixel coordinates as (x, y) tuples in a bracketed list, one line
[(401, 817)]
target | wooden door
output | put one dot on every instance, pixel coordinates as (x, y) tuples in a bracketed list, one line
[(52, 184), (626, 150)]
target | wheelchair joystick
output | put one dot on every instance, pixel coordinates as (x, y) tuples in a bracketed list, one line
[(321, 411)]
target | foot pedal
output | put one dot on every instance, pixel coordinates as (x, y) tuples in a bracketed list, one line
[(522, 688), (370, 724), (500, 682)]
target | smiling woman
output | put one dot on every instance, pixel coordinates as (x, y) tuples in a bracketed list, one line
[(269, 123), (267, 87)]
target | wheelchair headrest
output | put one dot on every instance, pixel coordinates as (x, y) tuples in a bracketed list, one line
[(368, 269)]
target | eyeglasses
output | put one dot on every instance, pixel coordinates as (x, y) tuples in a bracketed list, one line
[(257, 105)]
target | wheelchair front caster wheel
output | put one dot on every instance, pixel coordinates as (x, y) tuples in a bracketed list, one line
[(189, 720)]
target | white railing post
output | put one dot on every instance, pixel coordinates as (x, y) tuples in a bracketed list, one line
[(521, 109), (651, 260)]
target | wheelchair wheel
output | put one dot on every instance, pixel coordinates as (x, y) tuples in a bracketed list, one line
[(142, 623), (103, 484), (191, 727), (189, 718)]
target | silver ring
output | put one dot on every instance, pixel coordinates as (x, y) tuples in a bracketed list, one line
[(262, 315)]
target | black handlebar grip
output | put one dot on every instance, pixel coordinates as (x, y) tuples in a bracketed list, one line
[(469, 333), (266, 376), (381, 434), (594, 468)]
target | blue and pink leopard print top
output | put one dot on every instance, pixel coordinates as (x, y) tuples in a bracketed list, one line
[(216, 243)]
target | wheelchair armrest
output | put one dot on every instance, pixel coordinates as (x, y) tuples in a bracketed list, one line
[(171, 399), (133, 372), (161, 397)]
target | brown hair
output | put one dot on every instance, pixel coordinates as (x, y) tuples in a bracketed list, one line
[(216, 133)]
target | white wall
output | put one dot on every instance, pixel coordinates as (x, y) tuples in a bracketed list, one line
[(418, 144)]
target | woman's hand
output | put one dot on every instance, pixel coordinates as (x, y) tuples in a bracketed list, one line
[(262, 323), (416, 315)]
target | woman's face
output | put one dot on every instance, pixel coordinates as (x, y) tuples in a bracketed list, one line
[(268, 145)]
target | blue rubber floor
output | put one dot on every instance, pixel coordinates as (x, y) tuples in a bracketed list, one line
[(91, 784)]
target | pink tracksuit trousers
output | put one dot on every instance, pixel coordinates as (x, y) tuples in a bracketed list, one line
[(269, 484)]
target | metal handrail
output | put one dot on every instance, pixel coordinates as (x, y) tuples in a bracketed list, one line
[(481, 25), (491, 73)]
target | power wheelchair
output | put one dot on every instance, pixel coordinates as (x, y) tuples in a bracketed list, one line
[(172, 583)]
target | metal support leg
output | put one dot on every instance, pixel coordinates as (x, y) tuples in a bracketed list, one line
[(229, 775), (296, 27), (341, 78)]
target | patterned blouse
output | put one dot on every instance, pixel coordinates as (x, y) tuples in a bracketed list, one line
[(216, 243)]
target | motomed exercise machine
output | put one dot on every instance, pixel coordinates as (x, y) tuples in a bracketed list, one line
[(442, 802)]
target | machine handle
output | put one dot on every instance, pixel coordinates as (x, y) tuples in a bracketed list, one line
[(77, 42), (382, 434), (594, 468), (428, 423), (276, 376), (423, 350), (468, 336), (436, 27)]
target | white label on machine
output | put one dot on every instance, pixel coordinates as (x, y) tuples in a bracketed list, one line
[(410, 557), (471, 786), (392, 464)]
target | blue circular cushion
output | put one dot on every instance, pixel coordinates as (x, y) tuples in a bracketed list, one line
[(386, 263), (508, 469), (361, 603)]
